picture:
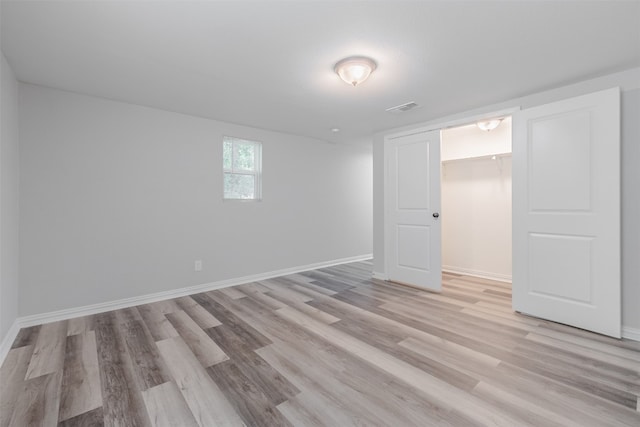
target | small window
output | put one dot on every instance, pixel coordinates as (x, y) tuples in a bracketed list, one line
[(242, 165)]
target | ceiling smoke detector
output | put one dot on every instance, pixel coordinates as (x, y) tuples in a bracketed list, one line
[(402, 107)]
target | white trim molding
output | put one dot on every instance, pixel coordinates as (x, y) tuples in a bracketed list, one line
[(54, 316), (477, 273), (631, 333), (379, 276), (8, 340)]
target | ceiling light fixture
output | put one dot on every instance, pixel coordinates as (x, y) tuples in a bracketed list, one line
[(489, 125), (355, 69)]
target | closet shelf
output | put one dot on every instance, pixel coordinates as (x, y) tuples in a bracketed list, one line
[(488, 156)]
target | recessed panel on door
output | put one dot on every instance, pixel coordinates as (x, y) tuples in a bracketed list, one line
[(560, 267), (413, 246), (560, 162), (413, 176)]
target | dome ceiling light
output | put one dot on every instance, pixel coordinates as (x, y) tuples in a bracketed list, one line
[(489, 125), (355, 69)]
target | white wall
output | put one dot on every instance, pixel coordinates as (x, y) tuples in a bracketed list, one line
[(9, 198), (631, 209), (476, 201), (118, 200), (629, 82)]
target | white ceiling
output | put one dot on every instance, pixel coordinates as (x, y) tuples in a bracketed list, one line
[(270, 64)]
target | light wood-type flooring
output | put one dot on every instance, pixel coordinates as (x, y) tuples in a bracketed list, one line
[(328, 347)]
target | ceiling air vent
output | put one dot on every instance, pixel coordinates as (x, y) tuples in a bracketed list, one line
[(402, 107)]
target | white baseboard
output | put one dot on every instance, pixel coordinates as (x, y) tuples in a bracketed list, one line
[(631, 333), (54, 316), (8, 340), (378, 275), (477, 273)]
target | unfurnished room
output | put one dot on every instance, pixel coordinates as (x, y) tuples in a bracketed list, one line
[(319, 213)]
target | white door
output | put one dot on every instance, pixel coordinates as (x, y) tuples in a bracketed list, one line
[(412, 209), (566, 212)]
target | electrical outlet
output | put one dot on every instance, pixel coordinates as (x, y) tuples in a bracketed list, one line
[(197, 265)]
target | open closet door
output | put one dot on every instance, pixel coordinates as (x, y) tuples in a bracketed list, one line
[(566, 212), (412, 210)]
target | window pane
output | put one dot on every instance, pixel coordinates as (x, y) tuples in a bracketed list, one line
[(227, 155), (239, 186), (244, 156)]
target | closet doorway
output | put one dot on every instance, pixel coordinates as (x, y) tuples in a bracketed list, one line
[(476, 201)]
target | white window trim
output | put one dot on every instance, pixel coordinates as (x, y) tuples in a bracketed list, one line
[(256, 173)]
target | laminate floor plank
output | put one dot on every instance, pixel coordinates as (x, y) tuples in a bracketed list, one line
[(26, 336), (520, 384), (504, 337), (148, 366), (206, 401), (389, 345), (300, 416), (546, 325), (253, 287), (567, 400), (128, 315), (48, 352), (250, 402), (581, 365), (232, 293), (201, 345), (591, 345), (464, 365), (501, 294), (478, 294), (158, 325), (351, 395), (165, 306), (309, 285), (81, 390), (12, 376), (277, 388), (327, 347), (94, 418), (507, 320), (566, 374), (38, 401), (289, 294), (166, 406), (439, 391), (202, 317), (287, 300), (479, 281), (625, 362), (79, 325), (358, 300), (264, 298), (249, 334), (121, 398), (529, 413)]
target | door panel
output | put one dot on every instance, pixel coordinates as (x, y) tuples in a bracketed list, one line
[(412, 244), (412, 196), (566, 212)]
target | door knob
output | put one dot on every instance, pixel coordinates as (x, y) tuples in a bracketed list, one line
[(436, 214)]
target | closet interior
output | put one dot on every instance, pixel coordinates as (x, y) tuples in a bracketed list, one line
[(476, 200)]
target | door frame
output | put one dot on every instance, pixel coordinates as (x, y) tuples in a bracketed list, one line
[(463, 120)]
